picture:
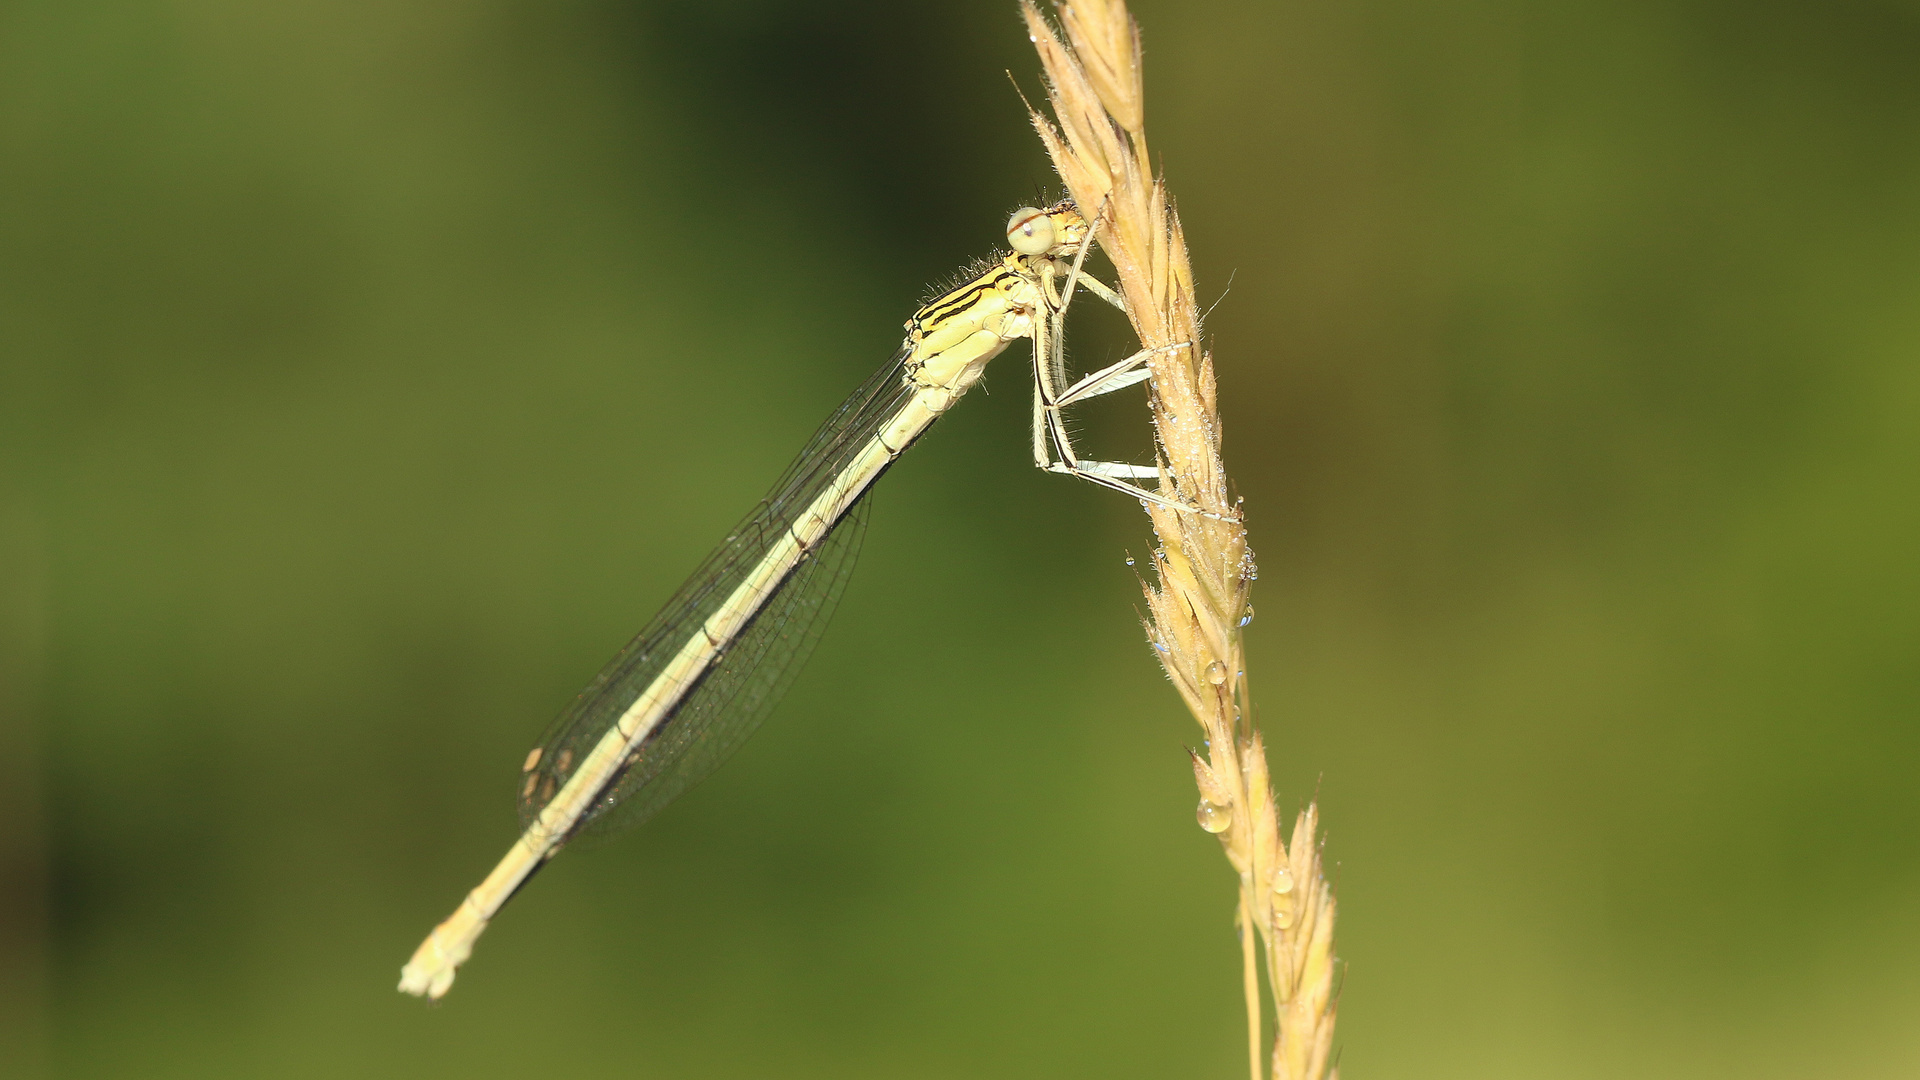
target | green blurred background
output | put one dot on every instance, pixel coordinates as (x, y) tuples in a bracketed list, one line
[(370, 371)]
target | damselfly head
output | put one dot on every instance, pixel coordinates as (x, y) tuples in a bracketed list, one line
[(1057, 230)]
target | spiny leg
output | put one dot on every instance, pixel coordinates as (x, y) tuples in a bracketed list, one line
[(1049, 358), (1049, 364), (1115, 377)]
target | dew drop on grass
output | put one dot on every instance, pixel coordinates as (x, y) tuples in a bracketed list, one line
[(1282, 881), (1216, 673), (1214, 819)]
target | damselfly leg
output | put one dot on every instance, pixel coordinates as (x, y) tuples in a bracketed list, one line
[(1053, 448)]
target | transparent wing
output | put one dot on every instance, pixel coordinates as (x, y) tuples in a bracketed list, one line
[(729, 699), (740, 689)]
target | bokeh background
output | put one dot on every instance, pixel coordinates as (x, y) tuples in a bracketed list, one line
[(370, 371)]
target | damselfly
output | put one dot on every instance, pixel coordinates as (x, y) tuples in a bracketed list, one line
[(697, 681)]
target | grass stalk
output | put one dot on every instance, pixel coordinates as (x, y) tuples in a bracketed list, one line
[(1202, 572)]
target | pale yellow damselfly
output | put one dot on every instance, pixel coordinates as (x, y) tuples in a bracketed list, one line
[(692, 685)]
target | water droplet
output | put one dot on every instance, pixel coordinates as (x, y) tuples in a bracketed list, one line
[(1129, 560), (1282, 917), (1246, 616), (1282, 881), (1216, 673), (1214, 819)]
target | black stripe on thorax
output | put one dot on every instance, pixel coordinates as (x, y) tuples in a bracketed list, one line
[(965, 297)]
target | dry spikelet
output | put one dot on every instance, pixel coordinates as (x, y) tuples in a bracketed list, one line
[(1203, 569)]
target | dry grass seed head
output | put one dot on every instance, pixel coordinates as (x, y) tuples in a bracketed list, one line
[(1203, 569)]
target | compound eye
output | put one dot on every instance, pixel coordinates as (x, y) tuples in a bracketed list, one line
[(1030, 231)]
